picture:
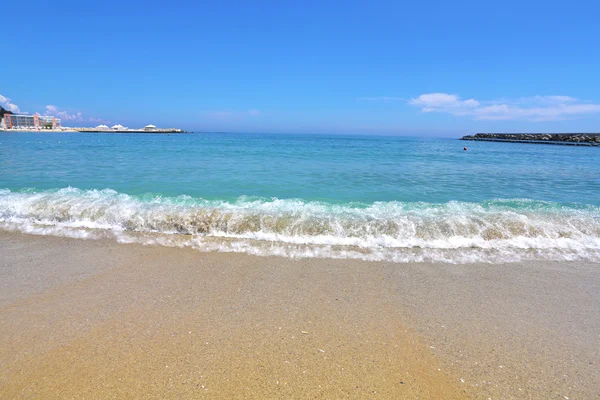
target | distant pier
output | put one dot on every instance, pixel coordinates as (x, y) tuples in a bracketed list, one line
[(157, 130), (564, 139)]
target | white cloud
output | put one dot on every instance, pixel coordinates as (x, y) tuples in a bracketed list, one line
[(5, 102), (441, 101), (51, 110), (55, 112), (536, 108), (549, 99), (98, 120)]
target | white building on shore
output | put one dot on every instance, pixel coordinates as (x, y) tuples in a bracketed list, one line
[(26, 121)]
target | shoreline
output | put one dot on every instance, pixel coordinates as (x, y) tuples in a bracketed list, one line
[(90, 130), (94, 318), (495, 231)]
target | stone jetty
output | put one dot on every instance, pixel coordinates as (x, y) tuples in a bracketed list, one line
[(569, 139)]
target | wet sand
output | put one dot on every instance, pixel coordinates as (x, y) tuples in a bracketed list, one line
[(97, 319)]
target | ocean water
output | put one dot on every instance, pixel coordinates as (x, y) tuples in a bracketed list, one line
[(366, 197)]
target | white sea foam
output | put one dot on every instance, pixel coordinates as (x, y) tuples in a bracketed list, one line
[(456, 232)]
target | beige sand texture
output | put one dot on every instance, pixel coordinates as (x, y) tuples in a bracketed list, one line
[(96, 319)]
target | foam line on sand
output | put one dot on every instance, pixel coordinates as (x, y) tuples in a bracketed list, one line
[(98, 319)]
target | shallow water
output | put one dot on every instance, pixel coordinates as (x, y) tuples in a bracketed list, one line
[(376, 197)]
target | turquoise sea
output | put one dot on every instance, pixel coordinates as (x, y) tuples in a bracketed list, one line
[(369, 197)]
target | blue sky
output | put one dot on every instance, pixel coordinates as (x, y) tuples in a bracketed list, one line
[(382, 67)]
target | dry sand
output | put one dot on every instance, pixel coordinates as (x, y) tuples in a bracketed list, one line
[(97, 319)]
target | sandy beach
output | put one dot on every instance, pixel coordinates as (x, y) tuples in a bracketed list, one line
[(97, 319)]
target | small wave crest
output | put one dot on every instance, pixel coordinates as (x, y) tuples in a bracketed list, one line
[(456, 232)]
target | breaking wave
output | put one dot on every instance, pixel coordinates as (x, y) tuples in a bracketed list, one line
[(456, 232)]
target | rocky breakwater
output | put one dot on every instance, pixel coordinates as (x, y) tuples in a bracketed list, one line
[(574, 139)]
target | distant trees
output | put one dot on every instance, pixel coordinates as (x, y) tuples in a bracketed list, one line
[(3, 111)]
